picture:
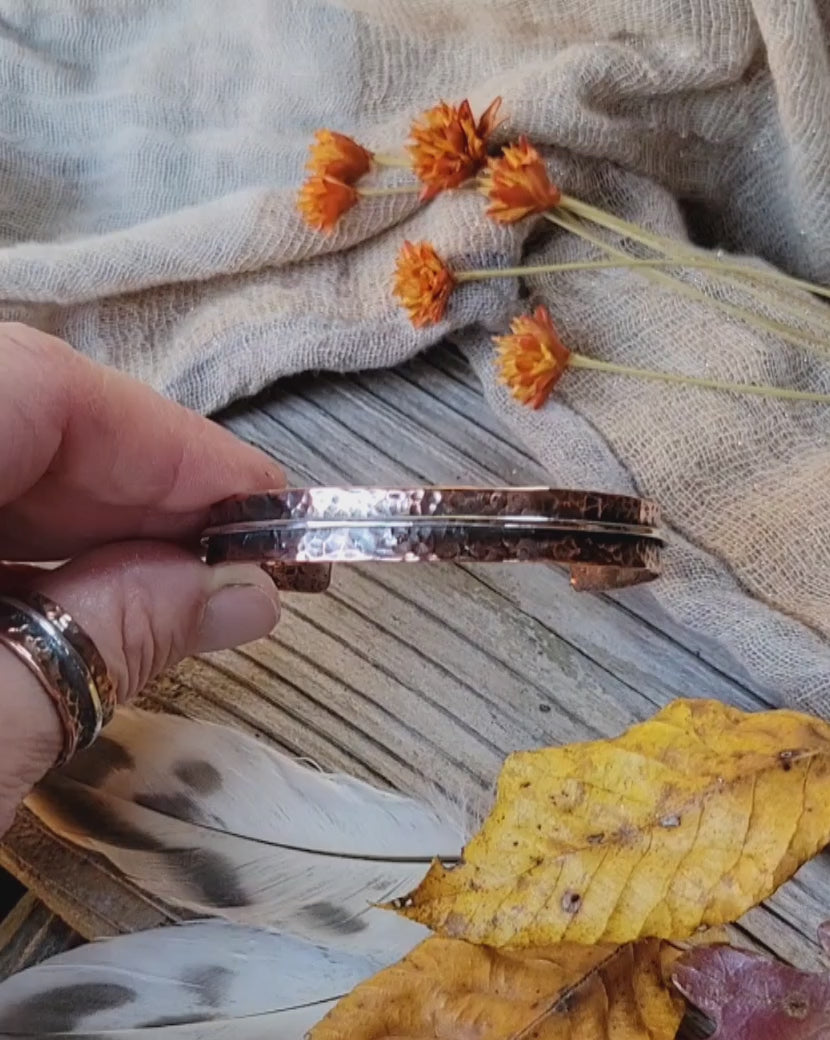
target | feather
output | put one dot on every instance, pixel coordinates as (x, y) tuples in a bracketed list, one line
[(199, 981), (209, 820)]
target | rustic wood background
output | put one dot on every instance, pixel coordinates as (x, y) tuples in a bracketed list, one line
[(404, 673)]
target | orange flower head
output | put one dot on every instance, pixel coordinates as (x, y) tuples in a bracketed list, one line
[(323, 200), (517, 184), (423, 283), (532, 359), (339, 156), (448, 146)]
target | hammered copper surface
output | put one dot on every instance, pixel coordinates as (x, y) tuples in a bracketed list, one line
[(84, 646), (361, 503), (298, 577), (617, 561), (607, 541), (60, 670)]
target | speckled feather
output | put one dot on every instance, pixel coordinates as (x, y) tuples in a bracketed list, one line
[(202, 981), (209, 820)]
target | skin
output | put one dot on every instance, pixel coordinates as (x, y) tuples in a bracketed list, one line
[(113, 481)]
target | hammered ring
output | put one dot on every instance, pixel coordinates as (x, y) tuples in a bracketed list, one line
[(66, 663)]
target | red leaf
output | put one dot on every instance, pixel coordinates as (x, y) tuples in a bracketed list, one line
[(750, 997)]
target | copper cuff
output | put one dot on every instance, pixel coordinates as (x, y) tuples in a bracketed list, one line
[(606, 541)]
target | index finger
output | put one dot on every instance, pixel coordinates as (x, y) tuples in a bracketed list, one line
[(89, 455)]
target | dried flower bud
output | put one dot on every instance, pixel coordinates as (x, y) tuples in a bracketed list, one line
[(449, 146), (336, 155), (517, 184), (532, 358), (323, 200), (423, 283)]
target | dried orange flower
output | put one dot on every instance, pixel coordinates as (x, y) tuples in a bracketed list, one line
[(336, 155), (532, 358), (448, 146), (323, 200), (517, 184), (423, 283)]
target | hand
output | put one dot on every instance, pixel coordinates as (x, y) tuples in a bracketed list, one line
[(98, 470)]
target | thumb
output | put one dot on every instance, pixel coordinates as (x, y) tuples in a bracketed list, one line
[(145, 606)]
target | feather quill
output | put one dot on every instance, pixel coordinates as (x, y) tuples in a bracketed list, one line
[(202, 981), (211, 821)]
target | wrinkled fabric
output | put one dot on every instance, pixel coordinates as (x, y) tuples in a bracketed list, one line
[(150, 156)]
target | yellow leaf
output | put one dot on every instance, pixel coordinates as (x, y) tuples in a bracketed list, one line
[(684, 821), (452, 990)]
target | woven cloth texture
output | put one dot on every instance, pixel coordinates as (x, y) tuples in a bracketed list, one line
[(150, 155)]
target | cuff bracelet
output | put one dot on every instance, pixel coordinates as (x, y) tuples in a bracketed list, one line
[(606, 541)]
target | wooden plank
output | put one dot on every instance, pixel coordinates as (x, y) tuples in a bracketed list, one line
[(446, 376), (30, 933), (432, 399), (403, 675)]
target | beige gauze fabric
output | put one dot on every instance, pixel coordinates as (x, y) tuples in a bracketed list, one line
[(150, 155)]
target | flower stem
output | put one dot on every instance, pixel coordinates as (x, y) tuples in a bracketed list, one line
[(676, 248), (399, 161), (401, 189), (580, 361), (785, 332), (571, 265)]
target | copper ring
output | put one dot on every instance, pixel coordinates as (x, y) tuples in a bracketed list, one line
[(296, 534), (66, 663)]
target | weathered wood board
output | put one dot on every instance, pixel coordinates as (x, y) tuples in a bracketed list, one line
[(404, 674)]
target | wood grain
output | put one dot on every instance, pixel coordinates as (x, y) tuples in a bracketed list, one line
[(31, 933), (403, 674)]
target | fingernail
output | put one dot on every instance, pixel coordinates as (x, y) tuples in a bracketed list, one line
[(243, 607)]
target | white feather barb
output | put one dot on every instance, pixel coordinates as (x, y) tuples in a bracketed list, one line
[(202, 981), (209, 820)]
